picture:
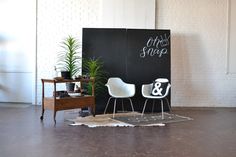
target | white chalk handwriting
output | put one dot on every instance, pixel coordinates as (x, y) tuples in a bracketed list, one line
[(156, 46)]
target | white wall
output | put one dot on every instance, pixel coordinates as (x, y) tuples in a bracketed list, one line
[(56, 20), (199, 44), (60, 18), (128, 14), (17, 50), (199, 52), (231, 64)]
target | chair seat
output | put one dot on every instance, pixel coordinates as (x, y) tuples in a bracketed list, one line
[(122, 96), (153, 97)]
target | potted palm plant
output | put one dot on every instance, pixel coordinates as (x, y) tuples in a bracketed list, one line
[(69, 59), (93, 67)]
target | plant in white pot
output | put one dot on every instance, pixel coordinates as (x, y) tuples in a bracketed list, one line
[(69, 60)]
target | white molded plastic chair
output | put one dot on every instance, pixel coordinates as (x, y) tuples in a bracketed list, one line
[(146, 92), (119, 89)]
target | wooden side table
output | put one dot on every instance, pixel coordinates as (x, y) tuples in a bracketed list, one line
[(57, 104)]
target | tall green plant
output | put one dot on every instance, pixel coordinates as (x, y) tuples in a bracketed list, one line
[(94, 68), (68, 58)]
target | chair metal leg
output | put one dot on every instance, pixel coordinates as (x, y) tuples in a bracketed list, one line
[(162, 112), (168, 105), (114, 110), (107, 104), (131, 104), (144, 106)]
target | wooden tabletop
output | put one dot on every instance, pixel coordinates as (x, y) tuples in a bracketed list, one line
[(68, 80)]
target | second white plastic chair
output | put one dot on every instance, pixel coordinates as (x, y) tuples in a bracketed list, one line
[(146, 92), (118, 89)]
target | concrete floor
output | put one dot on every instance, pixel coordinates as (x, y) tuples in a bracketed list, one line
[(212, 133)]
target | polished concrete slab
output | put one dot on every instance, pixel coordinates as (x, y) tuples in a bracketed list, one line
[(212, 133)]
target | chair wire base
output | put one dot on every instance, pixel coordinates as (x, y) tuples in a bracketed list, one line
[(114, 109), (162, 108)]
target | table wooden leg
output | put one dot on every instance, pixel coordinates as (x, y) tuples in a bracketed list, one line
[(54, 116), (93, 111), (42, 113), (42, 100)]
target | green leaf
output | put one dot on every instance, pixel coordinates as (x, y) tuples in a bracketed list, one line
[(94, 67), (68, 58)]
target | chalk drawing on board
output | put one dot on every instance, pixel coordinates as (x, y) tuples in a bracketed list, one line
[(156, 46)]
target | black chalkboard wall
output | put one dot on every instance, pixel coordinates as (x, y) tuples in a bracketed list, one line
[(137, 56)]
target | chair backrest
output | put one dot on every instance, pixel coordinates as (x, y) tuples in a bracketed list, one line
[(147, 88), (162, 88), (118, 88), (162, 80)]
